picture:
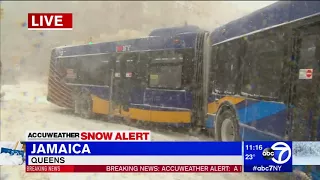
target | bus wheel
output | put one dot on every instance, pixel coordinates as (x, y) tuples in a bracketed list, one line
[(227, 127), (86, 106)]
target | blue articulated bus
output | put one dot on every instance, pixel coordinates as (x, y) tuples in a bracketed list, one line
[(255, 78), (144, 79), (264, 76), (230, 78)]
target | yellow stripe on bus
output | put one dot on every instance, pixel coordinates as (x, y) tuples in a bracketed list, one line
[(214, 106), (158, 116), (99, 106), (171, 116), (138, 114)]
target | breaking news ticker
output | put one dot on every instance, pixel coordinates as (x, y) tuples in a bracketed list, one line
[(136, 168)]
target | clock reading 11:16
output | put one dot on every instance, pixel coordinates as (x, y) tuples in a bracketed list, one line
[(253, 147)]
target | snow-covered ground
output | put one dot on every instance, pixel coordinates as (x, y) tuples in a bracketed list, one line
[(306, 160), (306, 153), (24, 107), (306, 148), (7, 159)]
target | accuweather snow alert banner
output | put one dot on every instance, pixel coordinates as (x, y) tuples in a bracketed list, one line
[(133, 151), (88, 136), (93, 156)]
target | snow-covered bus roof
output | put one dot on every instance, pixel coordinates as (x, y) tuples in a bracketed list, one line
[(268, 28), (152, 43), (274, 14), (157, 40)]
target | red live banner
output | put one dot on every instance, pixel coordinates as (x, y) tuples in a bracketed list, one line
[(136, 168), (50, 21)]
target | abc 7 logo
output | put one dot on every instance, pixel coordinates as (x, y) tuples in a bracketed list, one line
[(279, 153)]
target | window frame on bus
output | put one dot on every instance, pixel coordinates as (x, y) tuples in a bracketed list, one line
[(165, 63), (301, 30), (243, 41), (79, 65), (188, 69), (267, 34), (236, 66)]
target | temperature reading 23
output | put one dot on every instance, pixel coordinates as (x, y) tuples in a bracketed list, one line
[(249, 156)]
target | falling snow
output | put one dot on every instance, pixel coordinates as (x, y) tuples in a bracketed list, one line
[(39, 115)]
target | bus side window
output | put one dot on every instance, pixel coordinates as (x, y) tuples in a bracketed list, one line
[(166, 76), (263, 63), (308, 52), (68, 64), (90, 70), (187, 68), (165, 70), (226, 68), (212, 73), (309, 58)]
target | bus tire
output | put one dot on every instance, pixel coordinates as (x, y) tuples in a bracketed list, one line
[(227, 126)]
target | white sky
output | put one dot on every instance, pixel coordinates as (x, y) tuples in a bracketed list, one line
[(250, 5)]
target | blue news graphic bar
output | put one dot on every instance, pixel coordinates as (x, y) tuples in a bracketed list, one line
[(267, 156), (144, 148)]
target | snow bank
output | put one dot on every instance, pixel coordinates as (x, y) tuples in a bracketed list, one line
[(306, 153), (25, 92), (7, 159), (306, 149), (311, 160)]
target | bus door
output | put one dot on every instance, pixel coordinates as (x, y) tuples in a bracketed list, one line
[(106, 75), (306, 83), (123, 83), (126, 82), (109, 67), (115, 85), (112, 68), (137, 82)]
